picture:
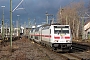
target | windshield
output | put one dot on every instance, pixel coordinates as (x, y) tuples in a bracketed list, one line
[(61, 30)]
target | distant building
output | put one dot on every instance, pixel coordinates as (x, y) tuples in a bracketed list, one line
[(87, 30)]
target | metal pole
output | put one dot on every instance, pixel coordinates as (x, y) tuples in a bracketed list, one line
[(18, 26), (3, 23), (35, 23), (6, 29), (47, 16), (82, 28), (11, 24), (28, 28), (24, 28)]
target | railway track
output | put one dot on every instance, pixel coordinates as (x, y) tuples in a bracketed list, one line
[(68, 56), (74, 55), (64, 55), (37, 51), (80, 47), (71, 56)]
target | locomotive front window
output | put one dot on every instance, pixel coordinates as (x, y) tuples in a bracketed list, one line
[(65, 30), (57, 30), (60, 30)]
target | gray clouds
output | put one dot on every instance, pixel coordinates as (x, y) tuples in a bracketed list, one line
[(33, 8)]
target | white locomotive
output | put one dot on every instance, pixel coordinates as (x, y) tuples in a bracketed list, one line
[(55, 35)]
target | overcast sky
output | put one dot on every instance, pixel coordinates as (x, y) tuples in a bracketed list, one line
[(33, 9)]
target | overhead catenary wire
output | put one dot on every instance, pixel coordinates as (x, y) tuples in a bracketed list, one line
[(17, 6), (27, 11), (26, 7)]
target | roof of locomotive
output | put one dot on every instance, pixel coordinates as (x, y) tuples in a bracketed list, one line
[(45, 25), (51, 24), (56, 24)]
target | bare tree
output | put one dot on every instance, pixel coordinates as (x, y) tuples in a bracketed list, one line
[(70, 15)]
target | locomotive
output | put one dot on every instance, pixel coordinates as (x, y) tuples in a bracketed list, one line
[(56, 36)]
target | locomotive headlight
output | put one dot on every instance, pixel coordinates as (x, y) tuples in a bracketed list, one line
[(56, 41), (67, 40)]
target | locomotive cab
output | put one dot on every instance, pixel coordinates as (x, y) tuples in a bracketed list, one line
[(61, 37)]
